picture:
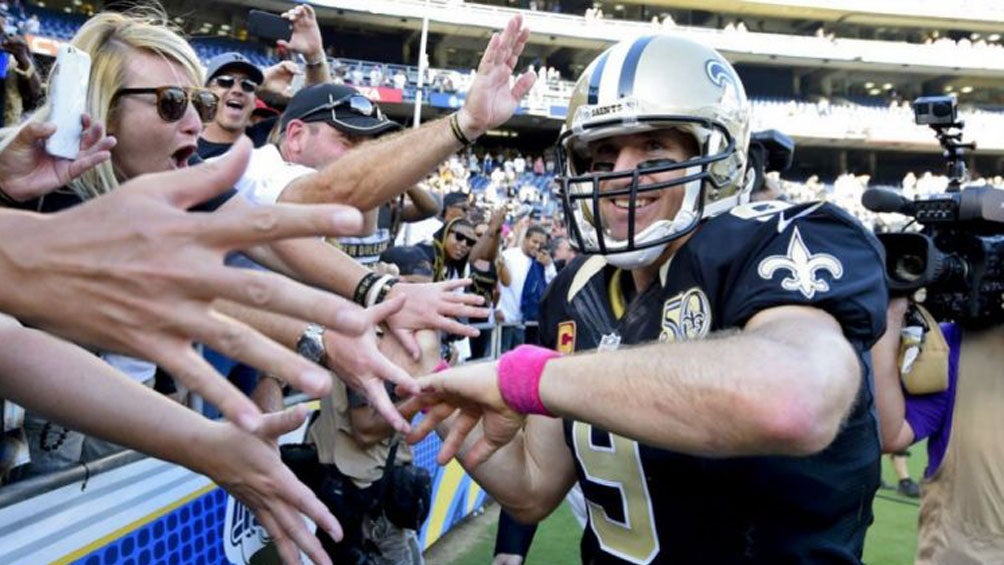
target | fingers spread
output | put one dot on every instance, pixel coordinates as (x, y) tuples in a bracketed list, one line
[(459, 430), (479, 453), (243, 226), (183, 363), (282, 295), (449, 325), (523, 84), (377, 396), (408, 340), (239, 341), (276, 424)]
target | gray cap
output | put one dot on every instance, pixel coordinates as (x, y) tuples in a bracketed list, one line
[(233, 60)]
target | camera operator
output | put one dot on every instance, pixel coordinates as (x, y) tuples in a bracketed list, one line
[(943, 383), (22, 88), (367, 479), (962, 505)]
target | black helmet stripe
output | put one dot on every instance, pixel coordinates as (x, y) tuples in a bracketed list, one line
[(630, 67)]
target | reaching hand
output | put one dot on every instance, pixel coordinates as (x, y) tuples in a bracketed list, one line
[(497, 219), (133, 272), (471, 391), (306, 38), (357, 360), (490, 100), (434, 306), (248, 467), (27, 171), (279, 78)]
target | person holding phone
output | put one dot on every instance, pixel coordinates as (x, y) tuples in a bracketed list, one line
[(22, 88), (239, 83)]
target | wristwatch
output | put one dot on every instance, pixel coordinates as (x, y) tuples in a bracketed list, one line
[(311, 343)]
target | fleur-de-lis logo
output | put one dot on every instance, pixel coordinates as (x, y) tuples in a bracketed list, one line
[(803, 266)]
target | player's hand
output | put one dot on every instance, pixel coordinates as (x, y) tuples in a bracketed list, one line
[(134, 272), (490, 100), (249, 468), (357, 360), (470, 392), (434, 306), (27, 171), (306, 37)]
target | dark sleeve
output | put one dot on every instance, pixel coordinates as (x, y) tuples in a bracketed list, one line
[(215, 202), (825, 260)]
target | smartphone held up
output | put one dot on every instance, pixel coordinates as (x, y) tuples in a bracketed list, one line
[(68, 95), (269, 26)]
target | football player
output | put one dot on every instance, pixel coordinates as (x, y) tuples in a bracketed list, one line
[(708, 380)]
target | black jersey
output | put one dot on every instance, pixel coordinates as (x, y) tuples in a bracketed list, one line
[(649, 505)]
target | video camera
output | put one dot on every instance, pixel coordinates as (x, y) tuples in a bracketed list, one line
[(957, 256)]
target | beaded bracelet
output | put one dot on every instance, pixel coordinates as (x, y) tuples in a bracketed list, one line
[(364, 287)]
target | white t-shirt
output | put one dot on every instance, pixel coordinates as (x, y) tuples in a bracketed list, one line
[(267, 175), (510, 296)]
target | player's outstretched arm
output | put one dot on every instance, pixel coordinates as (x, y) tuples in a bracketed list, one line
[(35, 369), (377, 171), (133, 272), (782, 386)]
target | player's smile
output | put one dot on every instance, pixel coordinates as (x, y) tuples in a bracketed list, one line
[(630, 151)]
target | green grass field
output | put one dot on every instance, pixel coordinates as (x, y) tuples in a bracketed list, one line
[(892, 539)]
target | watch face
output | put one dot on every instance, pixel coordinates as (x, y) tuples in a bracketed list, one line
[(311, 347)]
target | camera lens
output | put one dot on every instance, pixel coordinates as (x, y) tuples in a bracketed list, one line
[(909, 268)]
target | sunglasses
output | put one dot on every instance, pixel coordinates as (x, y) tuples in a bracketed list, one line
[(172, 101), (356, 103), (227, 82), (464, 239)]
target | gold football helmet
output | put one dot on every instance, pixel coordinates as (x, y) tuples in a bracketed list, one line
[(646, 84)]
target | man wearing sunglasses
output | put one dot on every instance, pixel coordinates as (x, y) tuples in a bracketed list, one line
[(234, 79)]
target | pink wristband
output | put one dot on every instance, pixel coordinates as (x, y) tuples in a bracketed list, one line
[(519, 378)]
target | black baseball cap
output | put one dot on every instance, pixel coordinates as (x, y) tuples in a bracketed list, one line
[(410, 260), (341, 106), (455, 199), (233, 60)]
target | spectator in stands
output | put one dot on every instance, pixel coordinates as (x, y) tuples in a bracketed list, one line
[(234, 80), (531, 269), (261, 112), (487, 271), (237, 82), (400, 79), (22, 88), (562, 251)]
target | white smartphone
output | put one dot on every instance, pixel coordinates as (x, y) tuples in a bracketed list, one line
[(68, 92)]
